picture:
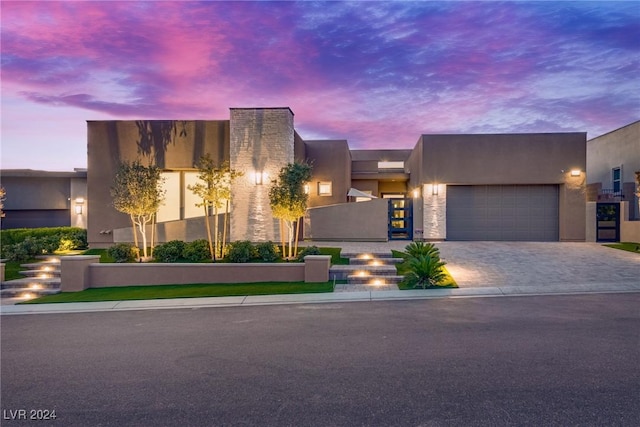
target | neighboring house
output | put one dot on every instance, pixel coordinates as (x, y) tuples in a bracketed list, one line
[(44, 199), (458, 187), (612, 162)]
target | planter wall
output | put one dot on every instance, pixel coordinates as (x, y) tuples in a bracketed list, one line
[(77, 275)]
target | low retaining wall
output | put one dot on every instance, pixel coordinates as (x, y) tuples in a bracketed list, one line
[(82, 272)]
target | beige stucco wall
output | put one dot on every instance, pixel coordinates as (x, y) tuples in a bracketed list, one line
[(170, 145), (510, 159), (365, 221), (262, 141), (331, 161), (186, 230)]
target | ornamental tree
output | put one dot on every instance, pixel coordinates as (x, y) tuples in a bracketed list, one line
[(288, 200), (137, 192), (214, 191)]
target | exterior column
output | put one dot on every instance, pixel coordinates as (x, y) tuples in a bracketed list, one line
[(434, 211), (261, 143)]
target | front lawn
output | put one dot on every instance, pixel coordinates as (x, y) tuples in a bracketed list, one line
[(12, 269), (625, 246), (184, 291)]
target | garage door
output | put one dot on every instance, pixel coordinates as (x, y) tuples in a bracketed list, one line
[(502, 212)]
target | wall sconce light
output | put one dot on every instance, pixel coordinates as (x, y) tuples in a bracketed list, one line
[(307, 189), (575, 172), (434, 189), (259, 177), (79, 202), (416, 193)]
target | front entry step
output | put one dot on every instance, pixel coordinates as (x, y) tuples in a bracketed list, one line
[(367, 272)]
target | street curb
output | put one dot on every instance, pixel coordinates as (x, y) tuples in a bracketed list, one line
[(340, 297)]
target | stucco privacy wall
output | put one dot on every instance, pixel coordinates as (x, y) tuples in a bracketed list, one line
[(169, 144), (512, 159), (363, 221), (261, 142)]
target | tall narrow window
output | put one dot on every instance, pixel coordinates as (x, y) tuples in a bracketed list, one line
[(616, 179)]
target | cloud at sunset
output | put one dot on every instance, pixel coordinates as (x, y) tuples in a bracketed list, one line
[(378, 74)]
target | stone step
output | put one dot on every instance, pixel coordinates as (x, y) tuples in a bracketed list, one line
[(32, 283), (341, 272), (374, 280), (366, 255), (27, 293), (40, 273), (51, 258), (379, 261), (38, 265)]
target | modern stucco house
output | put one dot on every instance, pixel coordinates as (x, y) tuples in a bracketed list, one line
[(527, 187), (613, 210)]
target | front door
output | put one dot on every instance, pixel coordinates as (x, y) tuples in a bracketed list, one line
[(608, 222), (400, 219)]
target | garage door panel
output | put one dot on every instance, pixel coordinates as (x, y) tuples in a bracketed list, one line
[(502, 212)]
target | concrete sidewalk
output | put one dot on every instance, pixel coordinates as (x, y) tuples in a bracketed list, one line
[(241, 301)]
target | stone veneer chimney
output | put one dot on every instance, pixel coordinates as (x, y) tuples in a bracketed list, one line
[(261, 142)]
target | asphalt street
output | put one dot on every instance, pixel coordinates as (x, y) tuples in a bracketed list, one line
[(538, 360)]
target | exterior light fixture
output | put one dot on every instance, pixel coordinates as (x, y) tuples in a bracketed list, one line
[(575, 172), (416, 193), (259, 177), (307, 188), (79, 203), (434, 189)]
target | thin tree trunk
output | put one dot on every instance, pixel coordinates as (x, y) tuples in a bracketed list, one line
[(224, 231), (284, 253), (135, 234), (206, 222), (141, 224), (216, 226), (290, 237), (153, 234), (295, 252)]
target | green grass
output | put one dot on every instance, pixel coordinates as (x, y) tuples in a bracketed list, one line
[(626, 246), (184, 291), (104, 256), (336, 259), (12, 269)]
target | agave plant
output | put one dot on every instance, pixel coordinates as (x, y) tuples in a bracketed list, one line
[(423, 271)]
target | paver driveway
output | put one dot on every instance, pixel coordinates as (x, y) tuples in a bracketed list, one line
[(476, 264)]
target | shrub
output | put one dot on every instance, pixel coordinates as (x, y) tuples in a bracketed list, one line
[(123, 252), (423, 271), (50, 244), (67, 238), (169, 252), (241, 251), (309, 250), (268, 251), (422, 266), (196, 251)]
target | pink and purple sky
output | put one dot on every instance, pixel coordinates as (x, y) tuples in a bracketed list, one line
[(377, 73)]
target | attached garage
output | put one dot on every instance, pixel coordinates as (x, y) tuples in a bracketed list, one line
[(502, 212)]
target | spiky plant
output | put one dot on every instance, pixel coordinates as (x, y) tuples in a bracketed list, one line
[(423, 271)]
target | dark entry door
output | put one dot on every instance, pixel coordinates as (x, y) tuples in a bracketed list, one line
[(400, 219), (608, 222)]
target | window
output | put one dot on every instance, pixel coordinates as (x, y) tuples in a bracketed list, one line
[(617, 179), (324, 188), (390, 165)]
